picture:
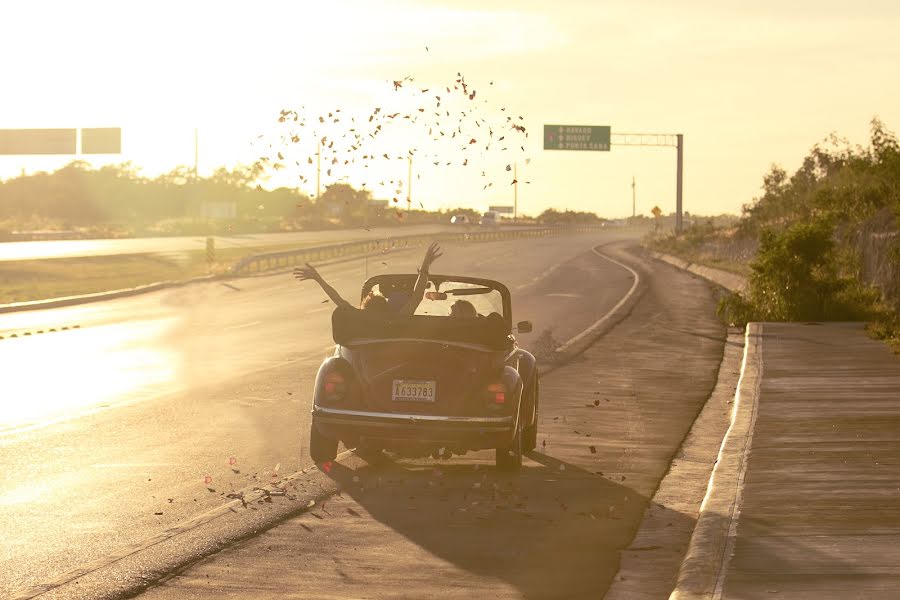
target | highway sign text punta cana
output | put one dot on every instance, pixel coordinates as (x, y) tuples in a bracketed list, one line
[(576, 137)]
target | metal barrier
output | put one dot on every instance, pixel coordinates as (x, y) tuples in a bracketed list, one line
[(259, 263)]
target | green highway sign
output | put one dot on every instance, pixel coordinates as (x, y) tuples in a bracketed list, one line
[(577, 137)]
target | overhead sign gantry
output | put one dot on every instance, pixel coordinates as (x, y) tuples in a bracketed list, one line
[(599, 138)]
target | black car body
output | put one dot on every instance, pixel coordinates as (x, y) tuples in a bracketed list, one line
[(428, 383)]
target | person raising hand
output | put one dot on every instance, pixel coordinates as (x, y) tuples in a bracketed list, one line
[(396, 304)]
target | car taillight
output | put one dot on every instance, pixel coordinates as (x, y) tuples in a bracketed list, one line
[(334, 386), (497, 393)]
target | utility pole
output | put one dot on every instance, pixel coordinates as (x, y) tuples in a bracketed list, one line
[(515, 191), (196, 151), (679, 177), (409, 186), (318, 170), (633, 194)]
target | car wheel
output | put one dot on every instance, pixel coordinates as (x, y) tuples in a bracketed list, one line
[(510, 459), (321, 448), (529, 436)]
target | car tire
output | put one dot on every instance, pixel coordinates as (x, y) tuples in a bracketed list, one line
[(529, 436), (321, 448), (510, 459)]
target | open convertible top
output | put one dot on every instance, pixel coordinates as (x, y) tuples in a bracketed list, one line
[(351, 325)]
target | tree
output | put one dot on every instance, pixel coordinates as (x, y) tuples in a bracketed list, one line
[(343, 202)]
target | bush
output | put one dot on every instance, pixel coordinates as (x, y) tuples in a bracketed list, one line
[(796, 277)]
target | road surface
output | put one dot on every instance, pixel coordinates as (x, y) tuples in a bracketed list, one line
[(115, 427), (611, 422)]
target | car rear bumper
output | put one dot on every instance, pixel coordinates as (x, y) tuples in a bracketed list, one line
[(465, 432)]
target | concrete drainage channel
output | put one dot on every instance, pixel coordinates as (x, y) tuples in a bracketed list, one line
[(702, 484), (655, 560)]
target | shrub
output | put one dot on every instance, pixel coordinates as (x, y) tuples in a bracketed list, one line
[(796, 277)]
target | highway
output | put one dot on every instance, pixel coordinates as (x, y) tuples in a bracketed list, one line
[(118, 423)]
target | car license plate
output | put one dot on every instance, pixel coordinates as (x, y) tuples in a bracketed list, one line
[(413, 391)]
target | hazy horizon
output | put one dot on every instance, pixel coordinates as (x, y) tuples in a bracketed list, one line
[(748, 87)]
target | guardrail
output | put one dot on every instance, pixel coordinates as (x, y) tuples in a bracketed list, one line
[(259, 263)]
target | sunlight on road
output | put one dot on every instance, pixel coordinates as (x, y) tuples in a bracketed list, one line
[(47, 249), (65, 373)]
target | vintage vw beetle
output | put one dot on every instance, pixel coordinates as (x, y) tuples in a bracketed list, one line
[(433, 383)]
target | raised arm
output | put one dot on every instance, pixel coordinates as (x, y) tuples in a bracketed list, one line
[(432, 254), (307, 271)]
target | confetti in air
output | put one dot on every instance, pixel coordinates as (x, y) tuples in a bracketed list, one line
[(447, 126)]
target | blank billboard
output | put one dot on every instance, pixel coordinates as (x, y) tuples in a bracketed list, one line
[(37, 141), (101, 140)]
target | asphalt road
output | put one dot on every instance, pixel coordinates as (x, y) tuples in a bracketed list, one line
[(611, 425), (117, 427), (37, 250)]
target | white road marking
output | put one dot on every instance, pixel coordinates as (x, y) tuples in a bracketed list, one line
[(519, 288), (561, 295), (130, 465), (230, 327), (612, 311)]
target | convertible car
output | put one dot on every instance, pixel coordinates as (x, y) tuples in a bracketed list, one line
[(446, 380)]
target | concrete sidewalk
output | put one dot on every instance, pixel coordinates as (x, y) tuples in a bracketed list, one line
[(805, 501)]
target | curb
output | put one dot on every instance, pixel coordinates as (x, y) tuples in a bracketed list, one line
[(703, 569), (587, 333), (564, 353), (100, 296), (730, 281)]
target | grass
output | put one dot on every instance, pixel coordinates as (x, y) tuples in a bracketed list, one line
[(27, 280), (694, 254)]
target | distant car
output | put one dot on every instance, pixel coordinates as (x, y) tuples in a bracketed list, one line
[(459, 220), (430, 383), (489, 219)]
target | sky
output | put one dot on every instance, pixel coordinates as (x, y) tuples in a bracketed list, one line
[(748, 84)]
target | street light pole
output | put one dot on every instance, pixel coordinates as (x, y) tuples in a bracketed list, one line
[(633, 194), (409, 186), (515, 191), (318, 169), (196, 150)]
